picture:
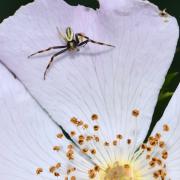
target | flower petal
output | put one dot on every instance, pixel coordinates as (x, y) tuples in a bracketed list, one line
[(111, 82), (171, 118), (28, 135)]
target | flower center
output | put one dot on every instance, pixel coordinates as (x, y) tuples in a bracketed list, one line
[(118, 172)]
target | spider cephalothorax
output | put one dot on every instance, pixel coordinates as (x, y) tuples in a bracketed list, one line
[(73, 41)]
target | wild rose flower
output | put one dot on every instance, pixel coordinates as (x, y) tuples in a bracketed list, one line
[(103, 97)]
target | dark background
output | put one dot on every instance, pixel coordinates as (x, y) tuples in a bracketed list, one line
[(8, 7)]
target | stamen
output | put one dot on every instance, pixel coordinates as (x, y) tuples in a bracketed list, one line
[(154, 152)]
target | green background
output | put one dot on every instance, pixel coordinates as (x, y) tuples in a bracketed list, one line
[(8, 7)]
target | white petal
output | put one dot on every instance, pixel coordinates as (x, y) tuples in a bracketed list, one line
[(27, 135), (108, 81), (171, 117)]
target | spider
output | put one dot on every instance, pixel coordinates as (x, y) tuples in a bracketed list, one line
[(73, 41)]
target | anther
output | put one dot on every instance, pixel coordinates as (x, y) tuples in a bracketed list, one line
[(96, 138), (166, 127), (119, 136), (96, 128), (135, 112), (56, 174), (85, 126), (60, 135), (106, 144), (115, 142), (58, 165), (39, 171), (73, 178), (72, 133), (94, 117), (56, 148), (93, 151), (52, 169), (92, 173), (97, 168), (129, 141)]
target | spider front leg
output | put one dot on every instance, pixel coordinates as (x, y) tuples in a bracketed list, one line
[(92, 41), (48, 49), (52, 59)]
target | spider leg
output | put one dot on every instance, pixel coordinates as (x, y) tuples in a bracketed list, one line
[(83, 43), (92, 41), (52, 59), (48, 49)]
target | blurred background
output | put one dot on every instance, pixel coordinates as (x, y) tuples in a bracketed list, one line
[(8, 8)]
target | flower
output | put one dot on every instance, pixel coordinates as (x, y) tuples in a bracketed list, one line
[(103, 97)]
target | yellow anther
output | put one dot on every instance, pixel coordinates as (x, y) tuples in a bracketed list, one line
[(119, 136), (60, 135), (56, 148), (85, 126), (129, 141), (92, 173), (96, 128), (166, 127), (56, 174), (135, 112), (106, 144), (115, 142), (52, 169), (39, 171), (58, 165), (94, 117), (72, 133), (93, 151)]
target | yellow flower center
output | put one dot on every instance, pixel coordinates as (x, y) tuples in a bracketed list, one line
[(118, 172)]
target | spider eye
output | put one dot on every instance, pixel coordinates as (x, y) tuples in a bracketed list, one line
[(69, 34)]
